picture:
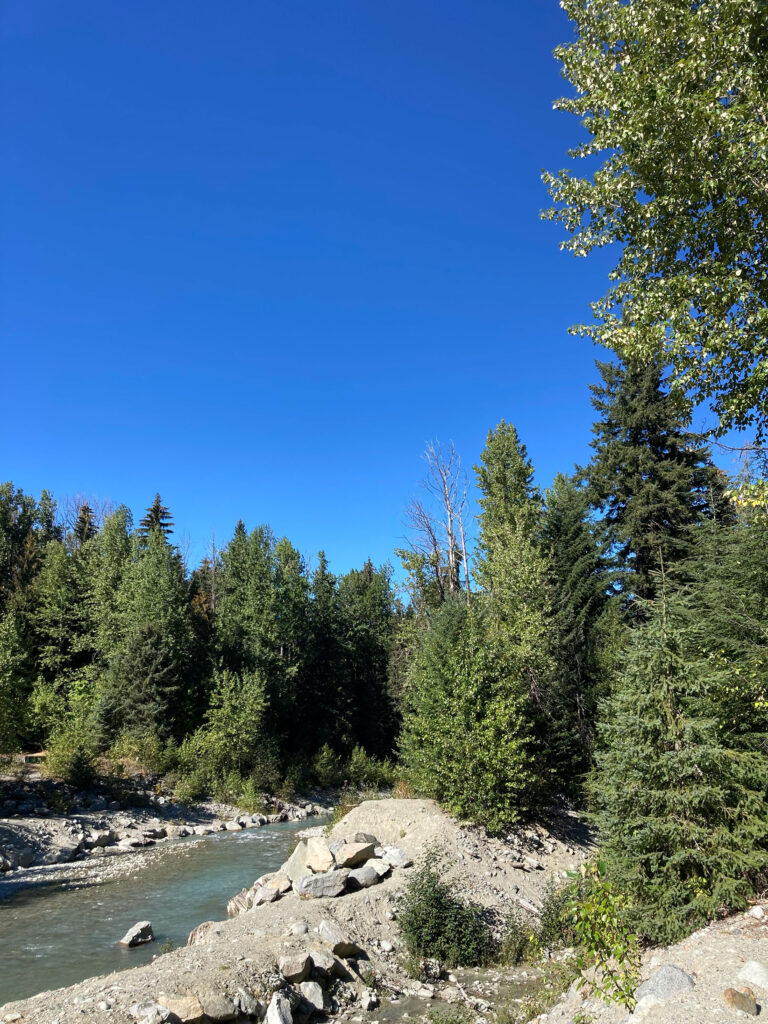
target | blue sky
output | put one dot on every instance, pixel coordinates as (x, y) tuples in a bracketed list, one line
[(254, 255)]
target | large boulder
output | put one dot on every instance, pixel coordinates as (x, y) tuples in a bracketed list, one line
[(296, 967), (313, 995), (331, 883), (319, 856), (281, 883), (216, 1006), (139, 935), (754, 973), (238, 904), (362, 878), (186, 1008), (351, 855), (296, 865), (668, 981), (395, 857)]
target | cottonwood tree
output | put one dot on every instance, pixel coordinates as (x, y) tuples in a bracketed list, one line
[(673, 97)]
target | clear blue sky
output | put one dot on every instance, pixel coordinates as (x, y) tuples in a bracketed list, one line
[(254, 255)]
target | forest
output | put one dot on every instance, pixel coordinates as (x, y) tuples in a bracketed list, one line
[(602, 642)]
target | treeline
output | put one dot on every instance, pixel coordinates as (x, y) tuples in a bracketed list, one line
[(606, 640), (615, 649), (252, 672)]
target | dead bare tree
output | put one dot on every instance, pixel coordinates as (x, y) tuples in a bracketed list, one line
[(437, 519)]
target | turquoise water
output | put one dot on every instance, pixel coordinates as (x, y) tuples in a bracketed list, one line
[(52, 936)]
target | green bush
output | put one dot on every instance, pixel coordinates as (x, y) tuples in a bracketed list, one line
[(363, 770), (597, 915), (326, 767), (526, 939), (71, 756), (147, 749), (191, 787), (435, 923)]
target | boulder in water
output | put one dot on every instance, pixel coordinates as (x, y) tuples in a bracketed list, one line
[(139, 935)]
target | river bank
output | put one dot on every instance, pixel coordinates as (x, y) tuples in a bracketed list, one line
[(231, 967), (45, 823)]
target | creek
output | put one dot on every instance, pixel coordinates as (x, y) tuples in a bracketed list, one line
[(54, 934)]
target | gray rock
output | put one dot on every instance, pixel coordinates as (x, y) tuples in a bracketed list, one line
[(313, 995), (754, 973), (339, 942), (140, 934), (105, 838), (216, 1006), (331, 883), (239, 904), (380, 866), (396, 857), (263, 894), (233, 826), (366, 837), (386, 946), (668, 981), (336, 845), (247, 1004), (296, 865), (279, 1010), (323, 962), (298, 928), (362, 878), (744, 1000), (203, 830), (295, 968)]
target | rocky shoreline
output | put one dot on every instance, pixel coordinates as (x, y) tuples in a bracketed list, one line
[(34, 833), (306, 953)]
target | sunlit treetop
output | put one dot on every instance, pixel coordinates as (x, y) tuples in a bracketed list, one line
[(674, 97)]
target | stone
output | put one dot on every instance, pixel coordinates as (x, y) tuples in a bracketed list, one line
[(247, 1004), (295, 968), (754, 973), (238, 904), (264, 894), (744, 1000), (233, 826), (203, 830), (313, 994), (366, 837), (352, 855), (323, 962), (105, 838), (186, 1008), (369, 1000), (140, 934), (757, 912), (216, 1006), (330, 884), (279, 1010), (380, 866), (144, 1011), (336, 845), (319, 856), (395, 857), (198, 934), (386, 946), (362, 878), (338, 941), (668, 981), (643, 1006), (296, 865), (298, 928), (154, 833), (281, 883), (258, 820)]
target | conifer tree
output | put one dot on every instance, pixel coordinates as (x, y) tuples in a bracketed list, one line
[(157, 517), (650, 477), (85, 525), (679, 798), (580, 585)]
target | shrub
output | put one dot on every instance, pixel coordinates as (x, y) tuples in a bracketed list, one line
[(191, 787), (326, 767), (526, 939), (435, 923), (363, 770), (147, 749), (71, 756), (597, 914)]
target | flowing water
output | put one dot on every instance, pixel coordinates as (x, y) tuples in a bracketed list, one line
[(53, 935)]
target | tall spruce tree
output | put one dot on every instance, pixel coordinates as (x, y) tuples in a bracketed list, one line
[(650, 477), (679, 793), (157, 517), (580, 584)]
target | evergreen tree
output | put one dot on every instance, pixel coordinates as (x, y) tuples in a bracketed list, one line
[(679, 796), (111, 558), (85, 525), (580, 584), (16, 670), (157, 517), (650, 477)]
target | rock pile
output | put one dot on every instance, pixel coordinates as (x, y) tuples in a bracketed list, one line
[(318, 869)]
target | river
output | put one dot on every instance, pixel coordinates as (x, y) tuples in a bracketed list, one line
[(54, 935)]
